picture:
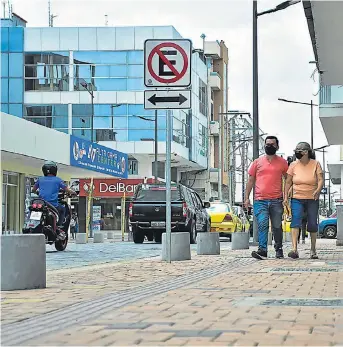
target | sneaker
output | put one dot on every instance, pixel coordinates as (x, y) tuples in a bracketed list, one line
[(293, 254), (260, 254), (314, 255), (279, 254)]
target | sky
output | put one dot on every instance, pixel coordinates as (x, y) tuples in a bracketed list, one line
[(284, 47)]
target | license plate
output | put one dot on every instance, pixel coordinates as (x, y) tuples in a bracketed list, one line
[(158, 224), (36, 215)]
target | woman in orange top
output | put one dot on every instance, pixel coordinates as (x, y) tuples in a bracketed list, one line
[(306, 176)]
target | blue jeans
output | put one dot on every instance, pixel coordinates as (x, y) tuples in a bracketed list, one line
[(265, 210), (299, 208)]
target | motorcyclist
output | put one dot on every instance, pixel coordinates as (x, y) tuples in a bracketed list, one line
[(49, 186)]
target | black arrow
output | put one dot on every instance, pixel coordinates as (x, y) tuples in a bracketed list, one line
[(156, 99)]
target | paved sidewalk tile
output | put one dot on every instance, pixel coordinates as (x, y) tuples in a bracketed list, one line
[(265, 303)]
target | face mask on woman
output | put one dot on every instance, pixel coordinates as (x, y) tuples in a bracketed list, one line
[(299, 155)]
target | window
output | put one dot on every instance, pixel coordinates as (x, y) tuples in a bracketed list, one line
[(133, 167), (135, 57), (4, 39), (4, 65), (202, 97), (16, 110), (47, 58), (15, 67), (4, 90), (15, 90), (203, 140), (218, 208), (100, 57), (51, 116), (46, 84), (16, 39)]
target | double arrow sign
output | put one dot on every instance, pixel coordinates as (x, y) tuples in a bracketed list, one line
[(167, 99)]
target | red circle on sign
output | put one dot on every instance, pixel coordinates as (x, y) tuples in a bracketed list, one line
[(156, 50)]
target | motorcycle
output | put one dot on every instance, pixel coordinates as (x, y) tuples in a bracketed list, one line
[(44, 219)]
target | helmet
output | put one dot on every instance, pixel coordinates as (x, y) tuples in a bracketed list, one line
[(49, 168)]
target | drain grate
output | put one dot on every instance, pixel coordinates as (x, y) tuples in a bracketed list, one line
[(14, 334), (303, 302)]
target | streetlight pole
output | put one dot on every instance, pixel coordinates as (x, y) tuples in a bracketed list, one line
[(256, 14), (311, 104), (112, 119), (91, 92)]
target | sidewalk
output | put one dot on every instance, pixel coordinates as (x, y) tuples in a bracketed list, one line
[(223, 300)]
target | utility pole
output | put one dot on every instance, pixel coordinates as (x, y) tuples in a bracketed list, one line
[(220, 155)]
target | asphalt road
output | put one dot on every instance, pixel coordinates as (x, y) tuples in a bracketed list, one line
[(77, 255)]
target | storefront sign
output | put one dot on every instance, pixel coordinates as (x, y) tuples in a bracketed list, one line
[(111, 188), (92, 156)]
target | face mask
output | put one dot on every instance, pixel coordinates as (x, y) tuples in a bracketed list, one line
[(270, 149), (298, 155)]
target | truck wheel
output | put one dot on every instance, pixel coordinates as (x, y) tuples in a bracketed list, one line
[(193, 233), (158, 236), (138, 236)]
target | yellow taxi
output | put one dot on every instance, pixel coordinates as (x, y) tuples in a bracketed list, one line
[(239, 212), (223, 219)]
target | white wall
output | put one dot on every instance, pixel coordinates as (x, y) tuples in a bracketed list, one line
[(33, 140)]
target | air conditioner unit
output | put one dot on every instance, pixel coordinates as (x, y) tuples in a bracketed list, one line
[(214, 128)]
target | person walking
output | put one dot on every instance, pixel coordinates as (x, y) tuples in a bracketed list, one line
[(74, 225), (266, 175), (306, 177)]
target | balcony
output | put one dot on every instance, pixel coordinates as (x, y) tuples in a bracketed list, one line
[(331, 95), (212, 49), (215, 81)]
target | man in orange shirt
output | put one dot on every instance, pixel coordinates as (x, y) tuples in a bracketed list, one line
[(266, 174)]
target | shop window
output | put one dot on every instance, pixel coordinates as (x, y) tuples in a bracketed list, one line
[(133, 167)]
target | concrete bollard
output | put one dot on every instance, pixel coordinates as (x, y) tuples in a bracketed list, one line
[(98, 237), (208, 244), (81, 238), (180, 246), (339, 241), (240, 240), (23, 262), (110, 235)]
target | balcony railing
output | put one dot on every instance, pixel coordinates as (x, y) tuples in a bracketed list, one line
[(331, 95)]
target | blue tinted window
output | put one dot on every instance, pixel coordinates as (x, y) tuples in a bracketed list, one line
[(108, 84), (60, 122), (135, 70), (135, 84), (81, 122), (139, 110), (120, 110), (16, 65), (62, 130), (139, 123), (4, 40), (119, 122), (101, 71), (121, 135), (4, 108), (103, 122), (83, 134), (118, 71), (16, 90), (135, 57), (161, 135), (82, 71), (4, 65), (141, 135), (16, 39), (16, 110), (100, 57), (47, 58), (4, 90)]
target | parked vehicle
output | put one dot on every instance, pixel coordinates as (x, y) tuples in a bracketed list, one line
[(224, 219), (44, 218), (328, 227), (147, 212), (239, 212)]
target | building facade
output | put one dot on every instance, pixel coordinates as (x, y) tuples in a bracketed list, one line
[(48, 76)]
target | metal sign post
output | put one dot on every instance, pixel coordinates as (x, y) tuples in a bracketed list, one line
[(167, 68), (168, 185)]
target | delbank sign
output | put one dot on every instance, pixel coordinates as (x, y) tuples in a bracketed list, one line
[(94, 157)]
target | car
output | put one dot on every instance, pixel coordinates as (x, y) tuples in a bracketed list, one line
[(147, 212), (327, 228), (223, 219), (239, 212)]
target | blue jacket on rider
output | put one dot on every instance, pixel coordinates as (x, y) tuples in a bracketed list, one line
[(49, 187)]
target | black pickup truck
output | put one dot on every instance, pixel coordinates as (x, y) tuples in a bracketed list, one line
[(147, 212)]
